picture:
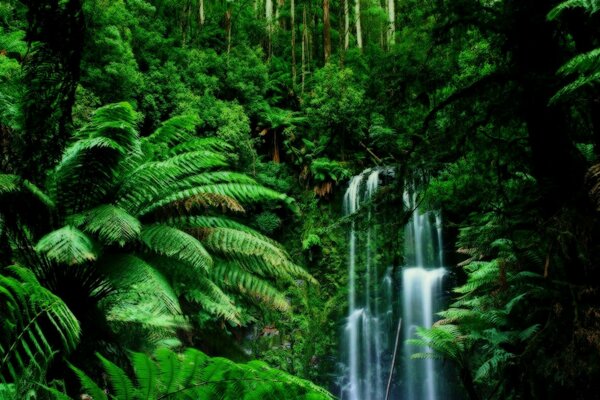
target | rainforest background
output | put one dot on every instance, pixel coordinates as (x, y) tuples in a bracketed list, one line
[(151, 152)]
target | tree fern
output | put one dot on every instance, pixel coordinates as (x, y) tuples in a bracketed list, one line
[(33, 321), (142, 215)]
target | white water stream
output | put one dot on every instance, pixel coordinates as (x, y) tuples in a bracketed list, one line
[(376, 300)]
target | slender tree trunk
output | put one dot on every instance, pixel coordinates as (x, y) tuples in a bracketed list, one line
[(269, 18), (201, 12), (346, 25), (326, 31), (228, 27), (359, 42), (391, 31), (293, 24), (304, 45)]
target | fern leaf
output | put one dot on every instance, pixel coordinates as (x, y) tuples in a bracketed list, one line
[(257, 255), (170, 370), (112, 225), (175, 130), (244, 193), (591, 6), (172, 242), (89, 385), (67, 245), (25, 304), (194, 221), (146, 373), (9, 184), (121, 383), (231, 275)]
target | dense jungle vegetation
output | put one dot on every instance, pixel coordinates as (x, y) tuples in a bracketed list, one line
[(172, 174)]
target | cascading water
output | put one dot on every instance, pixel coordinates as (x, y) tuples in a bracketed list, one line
[(364, 371), (377, 298), (421, 292)]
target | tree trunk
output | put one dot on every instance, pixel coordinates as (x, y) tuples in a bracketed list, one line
[(201, 12), (228, 27), (359, 42), (391, 31), (269, 19), (346, 25), (304, 44), (293, 26), (326, 31)]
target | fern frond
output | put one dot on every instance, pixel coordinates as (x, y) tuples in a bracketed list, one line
[(67, 245), (244, 193), (231, 275), (112, 224), (256, 255), (193, 375), (195, 221), (527, 333), (115, 121), (481, 274), (146, 373), (29, 312), (493, 364), (172, 242), (88, 384), (590, 6), (123, 386), (9, 184), (575, 86), (136, 280), (175, 130)]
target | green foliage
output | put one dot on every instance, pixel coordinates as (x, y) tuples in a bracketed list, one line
[(35, 322), (194, 375)]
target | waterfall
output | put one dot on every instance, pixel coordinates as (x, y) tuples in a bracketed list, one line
[(421, 291), (364, 373), (378, 297)]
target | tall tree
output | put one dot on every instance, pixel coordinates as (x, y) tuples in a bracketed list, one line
[(293, 29), (326, 31), (359, 39), (346, 25), (391, 31)]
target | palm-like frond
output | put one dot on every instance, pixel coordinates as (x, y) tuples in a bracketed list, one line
[(175, 131), (232, 276), (591, 6), (255, 255), (244, 193), (193, 375), (144, 300), (112, 224), (67, 245), (34, 323), (172, 242)]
